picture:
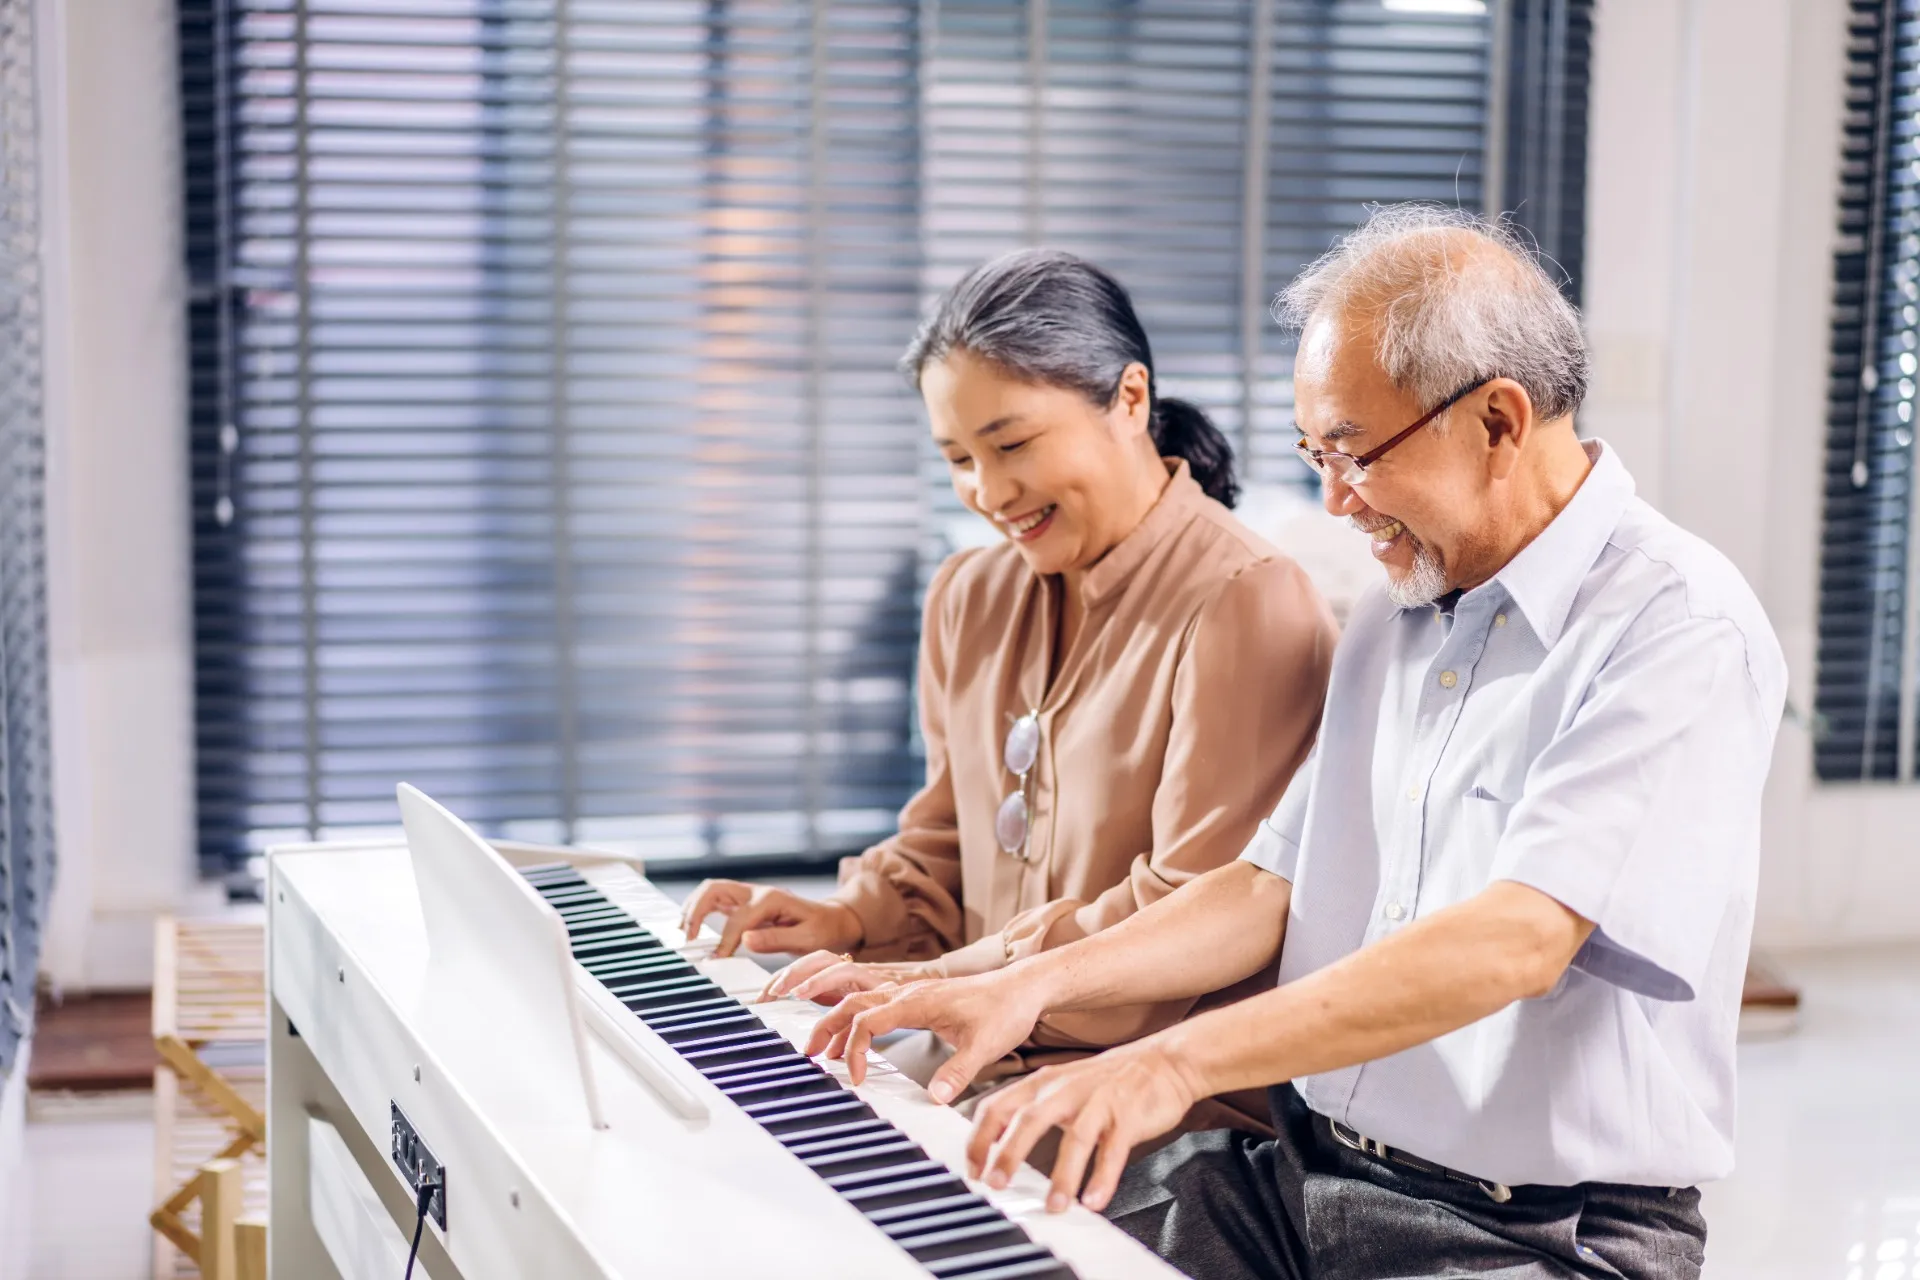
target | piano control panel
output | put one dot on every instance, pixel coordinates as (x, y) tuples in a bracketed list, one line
[(416, 1164)]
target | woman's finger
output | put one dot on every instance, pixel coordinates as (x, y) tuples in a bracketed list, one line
[(789, 980), (838, 979), (763, 907), (707, 899)]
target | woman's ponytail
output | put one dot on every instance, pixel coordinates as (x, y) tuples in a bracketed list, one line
[(1183, 430)]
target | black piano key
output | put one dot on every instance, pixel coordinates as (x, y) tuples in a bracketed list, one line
[(882, 1215), (765, 1095), (834, 1135), (609, 928), (670, 1029), (758, 1081), (832, 1111), (728, 1077), (729, 1055), (622, 970), (785, 1099), (701, 1003), (996, 1242), (851, 1154), (654, 990), (975, 1211), (693, 1046), (585, 911), (599, 948), (905, 1191), (1046, 1267), (966, 1264), (910, 1167)]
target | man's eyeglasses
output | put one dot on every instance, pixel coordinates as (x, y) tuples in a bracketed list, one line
[(1331, 464)]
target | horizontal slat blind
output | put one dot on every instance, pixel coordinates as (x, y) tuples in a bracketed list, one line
[(569, 475), (26, 828), (1863, 696), (574, 483)]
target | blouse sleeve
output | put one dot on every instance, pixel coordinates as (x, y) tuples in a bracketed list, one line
[(906, 889), (1246, 706)]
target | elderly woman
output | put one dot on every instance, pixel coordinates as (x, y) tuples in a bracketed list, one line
[(1111, 698)]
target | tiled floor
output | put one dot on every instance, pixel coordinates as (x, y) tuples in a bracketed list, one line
[(1828, 1186)]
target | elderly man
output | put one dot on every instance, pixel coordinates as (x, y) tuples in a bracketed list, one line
[(1511, 892)]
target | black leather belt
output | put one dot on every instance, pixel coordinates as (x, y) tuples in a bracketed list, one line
[(1498, 1192)]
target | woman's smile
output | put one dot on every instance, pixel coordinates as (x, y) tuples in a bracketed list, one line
[(1030, 527)]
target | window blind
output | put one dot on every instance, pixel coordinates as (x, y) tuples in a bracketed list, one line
[(26, 828), (1864, 697), (549, 450)]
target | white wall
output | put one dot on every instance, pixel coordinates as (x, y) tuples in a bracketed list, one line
[(1713, 168), (118, 593), (15, 1228)]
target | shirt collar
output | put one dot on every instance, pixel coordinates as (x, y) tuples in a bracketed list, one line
[(1547, 574), (1179, 503)]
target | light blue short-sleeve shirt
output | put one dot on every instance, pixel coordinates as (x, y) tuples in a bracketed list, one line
[(1596, 722)]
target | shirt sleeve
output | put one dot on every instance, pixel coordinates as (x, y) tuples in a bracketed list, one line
[(1247, 698), (1275, 845), (1643, 815), (906, 889)]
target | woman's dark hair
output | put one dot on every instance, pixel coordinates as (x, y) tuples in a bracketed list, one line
[(1052, 318)]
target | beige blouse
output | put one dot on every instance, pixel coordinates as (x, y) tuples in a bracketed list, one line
[(1191, 694)]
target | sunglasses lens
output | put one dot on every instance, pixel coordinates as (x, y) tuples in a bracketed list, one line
[(1023, 744), (1010, 824)]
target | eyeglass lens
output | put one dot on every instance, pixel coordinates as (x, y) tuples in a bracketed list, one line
[(1021, 750)]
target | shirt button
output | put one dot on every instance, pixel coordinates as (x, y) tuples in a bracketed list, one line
[(1448, 679), (1499, 619), (1413, 793), (1395, 911)]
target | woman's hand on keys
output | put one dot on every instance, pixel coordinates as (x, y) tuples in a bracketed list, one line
[(770, 919), (828, 977)]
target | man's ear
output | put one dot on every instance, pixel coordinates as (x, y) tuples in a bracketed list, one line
[(1508, 419)]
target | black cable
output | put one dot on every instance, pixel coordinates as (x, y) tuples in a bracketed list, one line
[(421, 1201)]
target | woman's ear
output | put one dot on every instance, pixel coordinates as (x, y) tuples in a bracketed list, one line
[(1133, 401)]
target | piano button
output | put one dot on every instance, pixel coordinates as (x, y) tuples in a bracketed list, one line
[(836, 1135), (905, 1191), (977, 1213), (892, 1172), (830, 1112), (851, 1154), (881, 1216), (973, 1263)]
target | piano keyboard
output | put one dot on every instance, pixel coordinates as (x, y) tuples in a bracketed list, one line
[(920, 1204)]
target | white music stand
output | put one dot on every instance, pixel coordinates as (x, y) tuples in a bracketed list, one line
[(500, 975)]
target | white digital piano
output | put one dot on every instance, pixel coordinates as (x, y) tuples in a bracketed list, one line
[(584, 1092)]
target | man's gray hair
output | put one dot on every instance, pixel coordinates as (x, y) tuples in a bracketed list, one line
[(1449, 313)]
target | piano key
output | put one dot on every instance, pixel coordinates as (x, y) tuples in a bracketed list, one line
[(611, 971), (599, 948), (883, 1215), (998, 1243), (731, 1083), (693, 1024), (970, 1263), (901, 1192), (759, 1034), (1042, 1268), (651, 987), (902, 1169), (832, 1111), (701, 1004), (798, 1092), (977, 1211), (758, 1095), (834, 1135), (893, 1143), (751, 1043)]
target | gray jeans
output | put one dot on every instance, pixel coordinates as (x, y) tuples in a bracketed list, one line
[(1223, 1205)]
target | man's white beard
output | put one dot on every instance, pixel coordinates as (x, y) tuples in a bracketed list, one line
[(1424, 583)]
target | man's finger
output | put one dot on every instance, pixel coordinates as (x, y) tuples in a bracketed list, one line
[(1077, 1142), (700, 906), (1022, 1135), (957, 1072), (1115, 1147), (989, 1122)]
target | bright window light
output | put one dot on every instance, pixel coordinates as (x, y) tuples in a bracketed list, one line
[(1435, 6)]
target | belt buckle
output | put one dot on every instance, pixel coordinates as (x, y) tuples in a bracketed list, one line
[(1353, 1140)]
